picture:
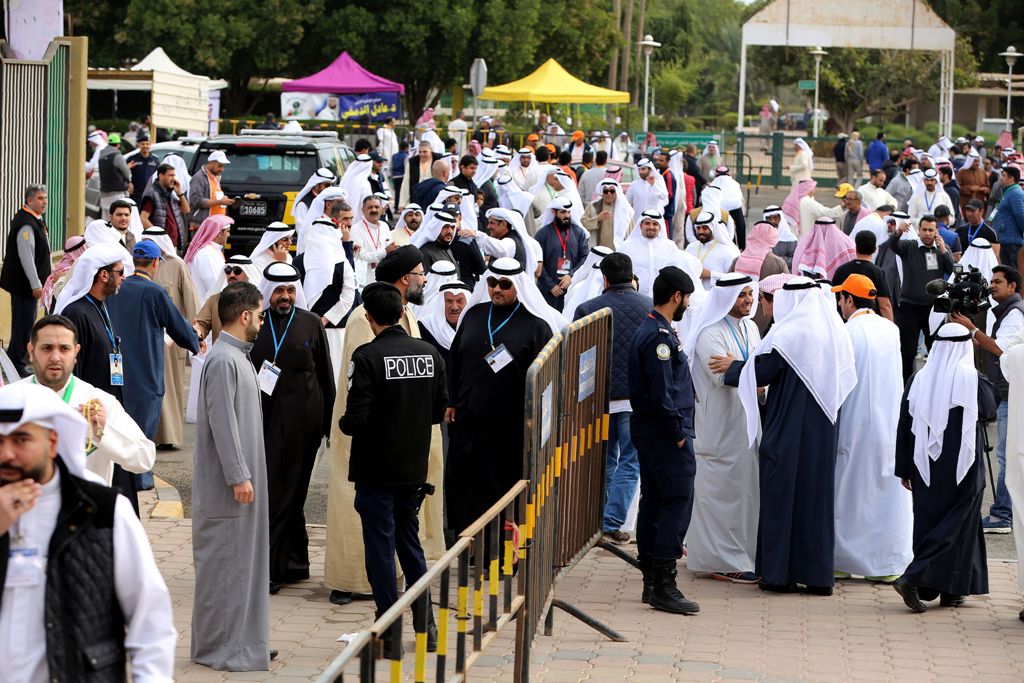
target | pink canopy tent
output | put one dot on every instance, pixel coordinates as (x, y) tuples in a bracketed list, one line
[(343, 76)]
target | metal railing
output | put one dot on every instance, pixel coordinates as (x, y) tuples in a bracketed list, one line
[(483, 561)]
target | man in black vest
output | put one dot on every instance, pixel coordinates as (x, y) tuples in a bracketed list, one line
[(83, 599), (115, 176), (26, 266), (1007, 324)]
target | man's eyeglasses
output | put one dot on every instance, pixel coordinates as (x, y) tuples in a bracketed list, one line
[(610, 190), (501, 284), (419, 273), (119, 273), (229, 270)]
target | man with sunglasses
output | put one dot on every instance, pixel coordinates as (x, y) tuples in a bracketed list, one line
[(504, 325), (97, 277)]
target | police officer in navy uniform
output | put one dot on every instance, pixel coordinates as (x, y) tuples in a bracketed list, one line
[(393, 375), (661, 393)]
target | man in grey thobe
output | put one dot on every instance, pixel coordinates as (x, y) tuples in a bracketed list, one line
[(230, 518)]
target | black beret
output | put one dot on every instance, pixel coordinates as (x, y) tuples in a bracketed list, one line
[(398, 263), (677, 279)]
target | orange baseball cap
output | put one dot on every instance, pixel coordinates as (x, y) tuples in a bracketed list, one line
[(577, 135), (532, 137), (859, 286)]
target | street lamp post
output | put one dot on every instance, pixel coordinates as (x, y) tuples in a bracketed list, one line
[(648, 44), (817, 53), (1010, 56)]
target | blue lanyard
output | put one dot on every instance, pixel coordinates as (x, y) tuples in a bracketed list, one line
[(742, 345), (107, 325), (972, 235), (277, 344), (491, 332), (932, 202)]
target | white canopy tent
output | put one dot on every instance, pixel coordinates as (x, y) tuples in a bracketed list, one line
[(872, 24), (179, 99)]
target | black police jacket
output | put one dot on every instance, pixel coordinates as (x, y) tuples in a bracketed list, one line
[(397, 392)]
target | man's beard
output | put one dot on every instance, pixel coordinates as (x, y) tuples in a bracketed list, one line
[(37, 475), (283, 307), (678, 314), (563, 223), (414, 296), (703, 239)]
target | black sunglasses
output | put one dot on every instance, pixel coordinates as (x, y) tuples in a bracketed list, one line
[(503, 284), (228, 270)]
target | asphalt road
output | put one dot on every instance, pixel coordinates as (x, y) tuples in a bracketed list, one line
[(176, 466)]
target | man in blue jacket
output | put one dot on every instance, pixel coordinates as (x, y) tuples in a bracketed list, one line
[(1009, 218), (630, 309), (878, 152)]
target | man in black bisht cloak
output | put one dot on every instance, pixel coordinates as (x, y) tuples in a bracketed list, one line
[(939, 456), (504, 325), (292, 357)]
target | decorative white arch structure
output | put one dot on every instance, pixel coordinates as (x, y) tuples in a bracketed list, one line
[(878, 24)]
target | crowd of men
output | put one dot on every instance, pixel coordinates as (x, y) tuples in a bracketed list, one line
[(758, 426)]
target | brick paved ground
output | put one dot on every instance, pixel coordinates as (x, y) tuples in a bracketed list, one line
[(862, 633)]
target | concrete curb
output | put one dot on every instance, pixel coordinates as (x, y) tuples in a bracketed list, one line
[(168, 504)]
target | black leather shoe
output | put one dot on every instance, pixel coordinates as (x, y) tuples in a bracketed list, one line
[(1021, 615), (274, 587), (909, 595), (340, 597), (948, 600), (816, 590), (273, 655), (777, 587)]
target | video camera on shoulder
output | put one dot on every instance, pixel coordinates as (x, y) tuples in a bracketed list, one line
[(966, 292)]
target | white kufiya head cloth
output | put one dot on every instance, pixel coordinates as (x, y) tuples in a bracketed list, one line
[(675, 166), (721, 298), (510, 196), (948, 380), (811, 337), (316, 212), (273, 233), (440, 273), (409, 208), (355, 182), (518, 225), (641, 194), (526, 292), (732, 193), (650, 255), (431, 313), (101, 231), (27, 403), (84, 272), (280, 273), (622, 219), (162, 239), (785, 230), (135, 227), (431, 228), (588, 282), (572, 193), (322, 175), (252, 273), (485, 169), (541, 179), (802, 144), (323, 251)]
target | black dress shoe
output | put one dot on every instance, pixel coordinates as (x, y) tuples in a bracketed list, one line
[(927, 594), (909, 595), (273, 655), (340, 597), (1021, 615), (948, 600), (777, 588), (274, 587), (816, 590)]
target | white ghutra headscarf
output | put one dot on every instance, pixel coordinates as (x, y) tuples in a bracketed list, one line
[(526, 292)]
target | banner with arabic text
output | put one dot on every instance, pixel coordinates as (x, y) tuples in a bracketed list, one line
[(328, 107)]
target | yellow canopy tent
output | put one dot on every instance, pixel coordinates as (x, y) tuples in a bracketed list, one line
[(553, 84)]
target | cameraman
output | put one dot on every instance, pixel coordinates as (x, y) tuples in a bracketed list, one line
[(925, 259), (1006, 321)]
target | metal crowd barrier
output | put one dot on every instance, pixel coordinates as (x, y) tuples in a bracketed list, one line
[(472, 571), (558, 508)]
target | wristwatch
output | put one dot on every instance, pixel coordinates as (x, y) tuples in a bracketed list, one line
[(974, 332)]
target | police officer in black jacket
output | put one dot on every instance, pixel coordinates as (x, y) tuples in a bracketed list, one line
[(393, 376), (661, 394)]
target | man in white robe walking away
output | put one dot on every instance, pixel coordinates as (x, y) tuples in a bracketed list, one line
[(722, 539), (230, 518), (874, 513)]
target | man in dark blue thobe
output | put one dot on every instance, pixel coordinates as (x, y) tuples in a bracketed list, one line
[(806, 363), (661, 394)]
